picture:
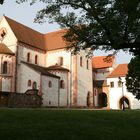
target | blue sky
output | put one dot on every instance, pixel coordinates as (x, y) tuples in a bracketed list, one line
[(25, 14)]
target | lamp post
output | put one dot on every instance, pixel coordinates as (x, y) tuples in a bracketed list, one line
[(120, 80)]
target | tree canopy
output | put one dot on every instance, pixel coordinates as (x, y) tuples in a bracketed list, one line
[(1, 1), (133, 77), (96, 24)]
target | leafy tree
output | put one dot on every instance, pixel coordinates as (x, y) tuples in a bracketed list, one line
[(96, 24), (1, 1), (133, 76)]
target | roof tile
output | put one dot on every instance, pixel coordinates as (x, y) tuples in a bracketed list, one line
[(49, 41), (120, 71), (5, 50), (99, 62)]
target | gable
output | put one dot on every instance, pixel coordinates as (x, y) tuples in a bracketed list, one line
[(26, 35), (49, 41), (9, 39)]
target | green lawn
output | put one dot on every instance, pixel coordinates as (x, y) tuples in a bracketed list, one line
[(44, 124)]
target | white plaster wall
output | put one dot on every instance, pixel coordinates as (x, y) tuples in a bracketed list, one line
[(7, 58), (10, 39), (102, 75), (23, 51), (85, 80), (52, 57), (64, 93), (50, 94), (25, 73), (115, 94), (6, 84)]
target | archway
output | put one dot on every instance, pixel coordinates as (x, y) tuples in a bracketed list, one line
[(102, 100), (126, 103)]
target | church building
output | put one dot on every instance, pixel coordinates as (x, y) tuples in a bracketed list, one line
[(32, 60)]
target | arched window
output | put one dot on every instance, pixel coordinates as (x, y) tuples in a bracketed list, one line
[(62, 84), (87, 64), (5, 67), (36, 59), (81, 61), (60, 61), (34, 85), (50, 84), (29, 83), (28, 57)]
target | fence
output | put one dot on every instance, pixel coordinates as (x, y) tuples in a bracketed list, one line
[(23, 100)]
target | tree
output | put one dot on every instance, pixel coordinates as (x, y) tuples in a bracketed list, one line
[(1, 1), (133, 76), (96, 24)]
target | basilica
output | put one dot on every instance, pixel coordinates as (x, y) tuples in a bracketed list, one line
[(32, 60)]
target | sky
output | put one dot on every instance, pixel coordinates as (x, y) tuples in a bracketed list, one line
[(25, 14)]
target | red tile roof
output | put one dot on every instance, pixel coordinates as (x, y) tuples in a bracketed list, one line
[(40, 69), (5, 50), (26, 34), (49, 41), (120, 71), (99, 62), (57, 67), (55, 40)]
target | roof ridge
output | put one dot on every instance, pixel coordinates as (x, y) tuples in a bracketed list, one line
[(26, 26), (55, 31)]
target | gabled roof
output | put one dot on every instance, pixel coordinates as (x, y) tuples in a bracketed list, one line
[(5, 50), (57, 67), (120, 71), (99, 62), (40, 69), (26, 35), (49, 41)]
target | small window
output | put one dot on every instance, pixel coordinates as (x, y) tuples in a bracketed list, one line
[(28, 57), (3, 33), (50, 84), (34, 85), (119, 84), (87, 64), (60, 61), (5, 67), (62, 84), (29, 83), (111, 84), (36, 59), (81, 61)]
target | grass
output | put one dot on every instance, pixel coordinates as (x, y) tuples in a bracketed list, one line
[(44, 124)]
